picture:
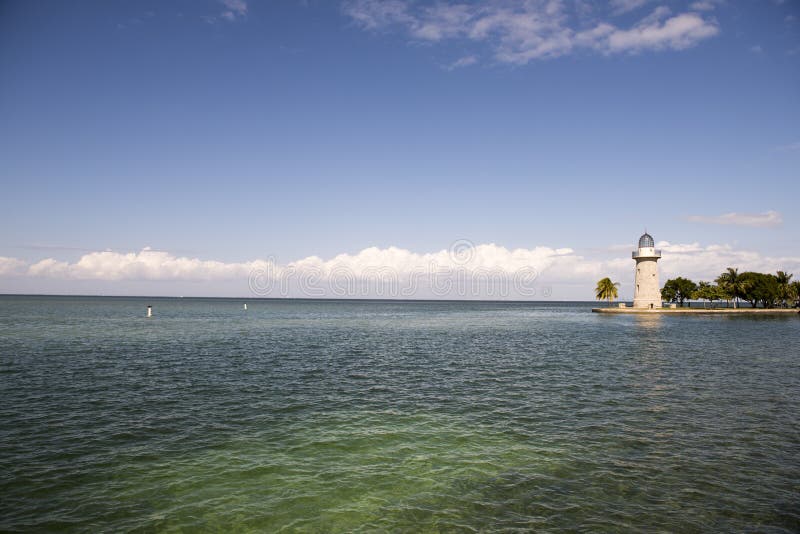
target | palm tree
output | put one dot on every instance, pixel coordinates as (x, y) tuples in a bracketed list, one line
[(606, 290), (784, 279), (731, 283)]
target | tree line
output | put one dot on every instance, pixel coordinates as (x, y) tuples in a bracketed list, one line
[(759, 289)]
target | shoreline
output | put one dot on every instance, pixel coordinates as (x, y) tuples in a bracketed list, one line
[(709, 311)]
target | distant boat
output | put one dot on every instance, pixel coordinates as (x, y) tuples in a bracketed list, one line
[(245, 306)]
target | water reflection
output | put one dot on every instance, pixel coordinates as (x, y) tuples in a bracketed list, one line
[(647, 321)]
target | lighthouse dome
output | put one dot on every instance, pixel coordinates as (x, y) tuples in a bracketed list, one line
[(646, 241)]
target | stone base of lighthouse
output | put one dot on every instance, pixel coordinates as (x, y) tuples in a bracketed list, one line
[(646, 291), (649, 303)]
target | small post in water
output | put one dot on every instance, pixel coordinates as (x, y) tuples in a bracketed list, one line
[(149, 310), (245, 306)]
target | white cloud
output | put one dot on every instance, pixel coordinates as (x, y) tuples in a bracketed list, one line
[(10, 266), (233, 9), (462, 272), (239, 7), (678, 32), (374, 14), (571, 274), (520, 33), (669, 248), (766, 219), (151, 264), (144, 265), (703, 5), (465, 61), (657, 15)]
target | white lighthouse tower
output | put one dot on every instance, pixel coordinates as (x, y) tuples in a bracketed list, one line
[(646, 293)]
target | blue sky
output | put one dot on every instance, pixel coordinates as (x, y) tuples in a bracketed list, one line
[(234, 132)]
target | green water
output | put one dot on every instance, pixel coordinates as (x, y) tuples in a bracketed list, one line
[(393, 416)]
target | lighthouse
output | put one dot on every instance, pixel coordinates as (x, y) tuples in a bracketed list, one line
[(646, 293)]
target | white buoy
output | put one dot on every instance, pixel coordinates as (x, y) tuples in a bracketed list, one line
[(245, 306), (149, 311)]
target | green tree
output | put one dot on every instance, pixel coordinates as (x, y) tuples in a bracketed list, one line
[(678, 290), (731, 284), (748, 281), (709, 292), (606, 290), (760, 288), (784, 287), (794, 293), (725, 294)]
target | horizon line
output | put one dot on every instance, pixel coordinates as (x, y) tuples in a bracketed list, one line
[(337, 299)]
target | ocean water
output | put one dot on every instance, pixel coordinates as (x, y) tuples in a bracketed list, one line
[(324, 416)]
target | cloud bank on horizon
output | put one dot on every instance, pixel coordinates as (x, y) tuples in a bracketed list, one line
[(523, 270), (517, 33)]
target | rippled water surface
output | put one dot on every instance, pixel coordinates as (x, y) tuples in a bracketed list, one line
[(400, 416)]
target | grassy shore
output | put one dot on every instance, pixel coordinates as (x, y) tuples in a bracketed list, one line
[(716, 311)]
